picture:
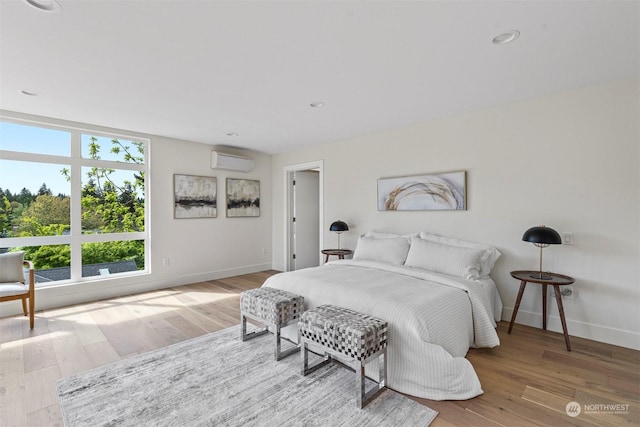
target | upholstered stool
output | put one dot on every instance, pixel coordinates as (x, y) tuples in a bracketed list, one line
[(273, 308), (359, 337)]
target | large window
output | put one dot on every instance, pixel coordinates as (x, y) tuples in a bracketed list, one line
[(73, 200)]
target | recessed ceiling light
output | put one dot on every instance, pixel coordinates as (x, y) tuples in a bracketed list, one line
[(28, 93), (506, 37), (317, 104), (233, 134), (45, 5)]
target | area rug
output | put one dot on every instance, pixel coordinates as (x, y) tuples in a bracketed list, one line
[(218, 380)]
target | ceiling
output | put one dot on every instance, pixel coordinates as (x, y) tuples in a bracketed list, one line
[(200, 70)]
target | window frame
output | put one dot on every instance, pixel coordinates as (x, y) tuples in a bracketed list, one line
[(76, 162)]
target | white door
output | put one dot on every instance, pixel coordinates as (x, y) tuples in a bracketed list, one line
[(305, 222)]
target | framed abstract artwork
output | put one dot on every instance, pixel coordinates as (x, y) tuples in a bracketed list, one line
[(443, 191), (194, 196), (243, 198)]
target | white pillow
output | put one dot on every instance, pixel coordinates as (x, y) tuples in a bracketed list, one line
[(489, 256), (378, 235), (452, 260), (390, 250), (11, 267)]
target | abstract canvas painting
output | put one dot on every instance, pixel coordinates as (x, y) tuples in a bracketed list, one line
[(194, 196), (444, 191), (243, 198)]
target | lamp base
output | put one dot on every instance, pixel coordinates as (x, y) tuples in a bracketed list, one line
[(540, 276)]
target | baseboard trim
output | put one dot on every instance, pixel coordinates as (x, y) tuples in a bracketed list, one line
[(279, 267), (605, 334)]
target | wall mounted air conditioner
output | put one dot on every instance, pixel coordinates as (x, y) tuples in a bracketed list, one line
[(231, 162)]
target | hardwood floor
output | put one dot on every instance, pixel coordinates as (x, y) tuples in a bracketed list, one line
[(527, 380)]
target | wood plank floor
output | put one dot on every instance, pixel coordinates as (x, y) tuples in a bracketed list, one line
[(527, 380)]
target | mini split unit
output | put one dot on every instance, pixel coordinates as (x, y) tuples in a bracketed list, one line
[(231, 162)]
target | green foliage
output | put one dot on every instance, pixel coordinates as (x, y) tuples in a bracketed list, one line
[(95, 253), (25, 197), (47, 214), (18, 203), (29, 226), (6, 212), (50, 256), (44, 190), (108, 206)]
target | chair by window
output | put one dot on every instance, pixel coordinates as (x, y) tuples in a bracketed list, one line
[(12, 282)]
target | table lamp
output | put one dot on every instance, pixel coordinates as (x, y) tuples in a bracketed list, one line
[(339, 227), (542, 237)]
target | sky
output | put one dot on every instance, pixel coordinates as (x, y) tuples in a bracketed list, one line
[(16, 175)]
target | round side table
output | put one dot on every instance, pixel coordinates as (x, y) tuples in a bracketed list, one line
[(554, 279), (340, 253)]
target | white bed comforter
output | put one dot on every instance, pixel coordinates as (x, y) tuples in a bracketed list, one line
[(433, 319)]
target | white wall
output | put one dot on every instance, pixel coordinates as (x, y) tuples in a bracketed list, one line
[(569, 161), (198, 249)]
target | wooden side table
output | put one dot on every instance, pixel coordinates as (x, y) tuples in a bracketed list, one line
[(340, 253), (553, 279)]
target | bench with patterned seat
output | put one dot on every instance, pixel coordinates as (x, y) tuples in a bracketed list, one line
[(273, 308), (359, 337)]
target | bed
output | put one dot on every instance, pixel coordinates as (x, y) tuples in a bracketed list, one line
[(436, 295)]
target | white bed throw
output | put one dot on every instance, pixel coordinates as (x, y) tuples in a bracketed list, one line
[(433, 319)]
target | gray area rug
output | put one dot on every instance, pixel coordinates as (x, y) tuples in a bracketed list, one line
[(218, 380)]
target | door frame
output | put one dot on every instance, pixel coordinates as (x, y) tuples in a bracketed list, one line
[(288, 207)]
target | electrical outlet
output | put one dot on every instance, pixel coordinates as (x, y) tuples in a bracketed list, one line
[(567, 238), (566, 292), (166, 261)]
